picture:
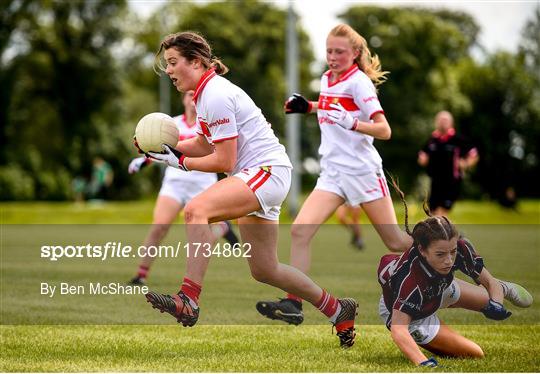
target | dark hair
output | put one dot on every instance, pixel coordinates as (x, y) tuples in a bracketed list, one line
[(428, 230), (192, 46)]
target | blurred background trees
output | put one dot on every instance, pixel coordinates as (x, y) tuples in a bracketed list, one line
[(77, 76)]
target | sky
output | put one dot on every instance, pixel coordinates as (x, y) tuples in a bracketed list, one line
[(501, 22)]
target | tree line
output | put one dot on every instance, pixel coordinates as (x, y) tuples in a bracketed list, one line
[(77, 76)]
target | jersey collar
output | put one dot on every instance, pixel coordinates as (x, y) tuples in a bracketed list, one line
[(350, 71), (211, 73), (426, 268), (183, 118)]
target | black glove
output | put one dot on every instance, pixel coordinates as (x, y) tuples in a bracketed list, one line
[(297, 104), (495, 310)]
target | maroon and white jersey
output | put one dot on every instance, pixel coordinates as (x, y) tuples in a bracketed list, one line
[(187, 131), (348, 151), (225, 111), (410, 285)]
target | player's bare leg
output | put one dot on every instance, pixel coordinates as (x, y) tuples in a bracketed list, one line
[(209, 206), (262, 236), (166, 211), (451, 344), (317, 208), (265, 267), (472, 297), (383, 217), (475, 297), (349, 216)]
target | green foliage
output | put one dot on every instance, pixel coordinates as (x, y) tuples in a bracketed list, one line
[(249, 37), (77, 75), (419, 47), (504, 123), (62, 86), (16, 184), (494, 102)]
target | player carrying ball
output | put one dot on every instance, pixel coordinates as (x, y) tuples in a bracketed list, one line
[(177, 189), (234, 137), (420, 281)]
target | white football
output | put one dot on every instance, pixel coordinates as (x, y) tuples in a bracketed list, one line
[(156, 129)]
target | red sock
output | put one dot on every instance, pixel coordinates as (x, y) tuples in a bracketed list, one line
[(327, 304), (143, 271), (191, 289), (293, 297)]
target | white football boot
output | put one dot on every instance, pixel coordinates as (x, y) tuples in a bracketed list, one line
[(516, 294)]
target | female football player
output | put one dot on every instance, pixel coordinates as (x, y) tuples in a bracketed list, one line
[(177, 189), (234, 137), (420, 281), (350, 117)]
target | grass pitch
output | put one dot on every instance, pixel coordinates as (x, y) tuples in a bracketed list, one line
[(122, 333)]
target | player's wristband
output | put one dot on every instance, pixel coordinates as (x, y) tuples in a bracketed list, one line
[(182, 163), (309, 107), (355, 124)]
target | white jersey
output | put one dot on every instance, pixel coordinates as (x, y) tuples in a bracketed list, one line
[(196, 177), (225, 111), (344, 150)]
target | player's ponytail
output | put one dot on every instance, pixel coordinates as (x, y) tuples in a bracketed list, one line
[(429, 230), (402, 197), (192, 46), (218, 65), (368, 63)]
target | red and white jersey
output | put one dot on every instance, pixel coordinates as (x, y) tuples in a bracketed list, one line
[(187, 131), (225, 111), (348, 151)]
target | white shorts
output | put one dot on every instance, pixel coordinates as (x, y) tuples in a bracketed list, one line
[(354, 189), (426, 329), (271, 185), (185, 189)]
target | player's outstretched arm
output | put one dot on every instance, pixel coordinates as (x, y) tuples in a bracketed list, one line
[(494, 309), (403, 339), (492, 285)]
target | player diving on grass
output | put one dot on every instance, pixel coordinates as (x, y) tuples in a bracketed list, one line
[(421, 281), (234, 137)]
